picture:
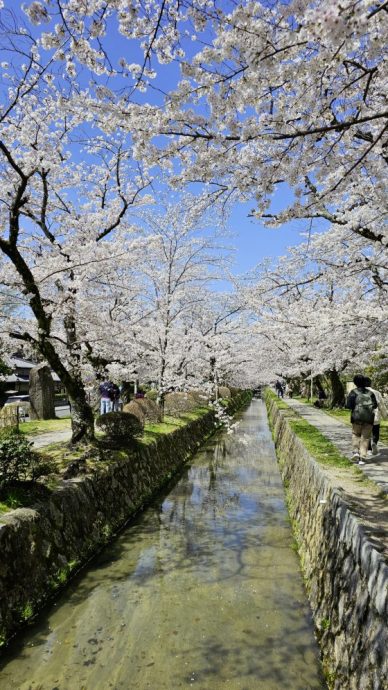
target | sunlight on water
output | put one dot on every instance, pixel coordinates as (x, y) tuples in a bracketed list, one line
[(202, 591)]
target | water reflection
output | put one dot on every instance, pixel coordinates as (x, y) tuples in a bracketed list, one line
[(202, 591)]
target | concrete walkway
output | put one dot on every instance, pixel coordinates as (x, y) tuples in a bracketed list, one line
[(340, 435), (41, 440)]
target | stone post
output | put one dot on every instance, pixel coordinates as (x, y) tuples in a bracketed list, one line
[(42, 393)]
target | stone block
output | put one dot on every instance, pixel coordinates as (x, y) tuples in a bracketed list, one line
[(42, 393)]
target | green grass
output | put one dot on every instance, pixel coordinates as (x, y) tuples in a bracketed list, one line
[(281, 404), (344, 416), (318, 445), (21, 496), (308, 401), (57, 456), (339, 413), (170, 424), (43, 426), (323, 450)]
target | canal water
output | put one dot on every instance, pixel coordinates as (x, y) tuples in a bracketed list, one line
[(201, 591)]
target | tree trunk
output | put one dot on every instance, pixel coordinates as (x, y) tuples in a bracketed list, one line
[(82, 420), (337, 395), (127, 389), (160, 404), (213, 377), (319, 387)]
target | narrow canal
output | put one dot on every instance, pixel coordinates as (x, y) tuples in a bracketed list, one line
[(202, 591)]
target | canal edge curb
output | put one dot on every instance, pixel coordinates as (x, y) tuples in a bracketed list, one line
[(346, 577)]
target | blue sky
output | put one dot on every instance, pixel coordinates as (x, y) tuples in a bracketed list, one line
[(253, 241)]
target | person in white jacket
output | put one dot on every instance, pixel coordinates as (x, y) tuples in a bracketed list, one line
[(381, 412)]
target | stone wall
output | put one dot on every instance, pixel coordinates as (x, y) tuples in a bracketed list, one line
[(41, 547), (346, 577)]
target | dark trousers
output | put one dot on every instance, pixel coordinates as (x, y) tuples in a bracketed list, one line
[(375, 435)]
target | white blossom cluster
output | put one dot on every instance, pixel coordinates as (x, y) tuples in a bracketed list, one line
[(258, 95)]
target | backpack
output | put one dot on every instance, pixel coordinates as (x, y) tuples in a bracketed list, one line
[(363, 412)]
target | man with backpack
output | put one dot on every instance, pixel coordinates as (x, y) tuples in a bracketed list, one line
[(362, 403)]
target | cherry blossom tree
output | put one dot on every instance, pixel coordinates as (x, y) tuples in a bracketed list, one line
[(57, 218), (281, 92), (268, 94), (182, 255), (322, 309)]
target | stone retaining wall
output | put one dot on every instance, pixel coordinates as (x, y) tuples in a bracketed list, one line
[(346, 577), (41, 547)]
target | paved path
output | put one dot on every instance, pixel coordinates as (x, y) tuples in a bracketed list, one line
[(41, 440), (341, 435)]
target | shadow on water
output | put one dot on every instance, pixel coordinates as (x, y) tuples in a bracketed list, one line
[(203, 589)]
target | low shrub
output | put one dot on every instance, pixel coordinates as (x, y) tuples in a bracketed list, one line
[(178, 403), (234, 391), (134, 409), (17, 460), (200, 397), (150, 409), (152, 394), (120, 426)]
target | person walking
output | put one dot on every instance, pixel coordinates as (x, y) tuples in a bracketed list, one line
[(362, 404), (106, 392), (380, 413), (115, 397), (279, 389)]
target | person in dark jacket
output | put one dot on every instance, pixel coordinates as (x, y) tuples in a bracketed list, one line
[(109, 392), (362, 403), (279, 389)]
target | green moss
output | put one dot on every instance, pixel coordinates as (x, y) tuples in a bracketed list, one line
[(27, 611), (170, 424), (330, 676), (107, 532), (42, 426), (62, 575)]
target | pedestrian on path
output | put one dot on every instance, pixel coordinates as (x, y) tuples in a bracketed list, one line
[(279, 389), (380, 413), (107, 393), (362, 403)]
